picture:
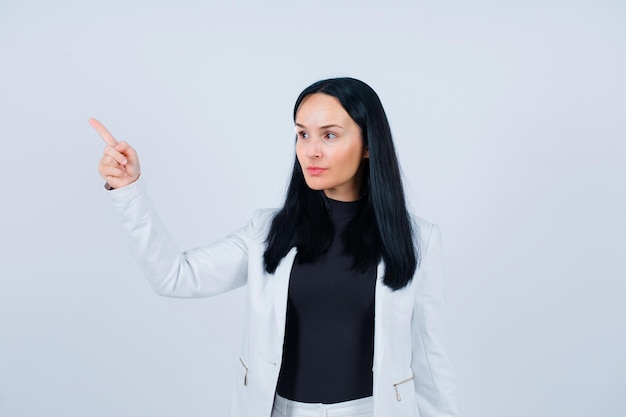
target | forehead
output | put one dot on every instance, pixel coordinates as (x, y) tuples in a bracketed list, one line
[(320, 107)]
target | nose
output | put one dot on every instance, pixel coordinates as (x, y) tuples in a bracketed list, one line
[(314, 149)]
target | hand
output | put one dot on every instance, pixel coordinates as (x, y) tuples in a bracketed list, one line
[(120, 165)]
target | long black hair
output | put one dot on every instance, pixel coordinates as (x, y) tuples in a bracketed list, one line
[(381, 229)]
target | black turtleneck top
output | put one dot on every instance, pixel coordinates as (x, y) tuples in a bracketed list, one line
[(329, 335)]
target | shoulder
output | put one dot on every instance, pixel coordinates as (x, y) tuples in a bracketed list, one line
[(263, 217), (426, 234), (420, 222), (260, 222)]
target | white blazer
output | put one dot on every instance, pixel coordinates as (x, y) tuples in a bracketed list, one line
[(413, 377)]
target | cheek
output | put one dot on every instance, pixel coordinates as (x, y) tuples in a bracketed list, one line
[(299, 153), (352, 157)]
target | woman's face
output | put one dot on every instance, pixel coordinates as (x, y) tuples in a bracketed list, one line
[(329, 147)]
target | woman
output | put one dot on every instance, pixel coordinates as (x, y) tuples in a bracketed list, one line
[(345, 303)]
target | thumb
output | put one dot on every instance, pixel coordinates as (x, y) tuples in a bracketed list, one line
[(125, 149), (132, 166)]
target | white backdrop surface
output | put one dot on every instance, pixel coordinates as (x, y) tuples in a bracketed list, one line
[(509, 119)]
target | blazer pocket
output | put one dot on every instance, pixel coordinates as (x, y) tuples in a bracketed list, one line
[(399, 386), (245, 371)]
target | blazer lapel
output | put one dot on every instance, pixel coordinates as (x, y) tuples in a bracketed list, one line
[(281, 289), (379, 313)]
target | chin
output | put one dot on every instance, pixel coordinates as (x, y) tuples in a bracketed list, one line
[(314, 185), (315, 188)]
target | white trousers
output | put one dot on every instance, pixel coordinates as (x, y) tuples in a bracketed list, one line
[(363, 407)]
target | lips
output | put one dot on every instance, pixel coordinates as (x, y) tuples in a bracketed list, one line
[(312, 170)]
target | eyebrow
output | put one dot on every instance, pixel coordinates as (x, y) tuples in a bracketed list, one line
[(321, 127)]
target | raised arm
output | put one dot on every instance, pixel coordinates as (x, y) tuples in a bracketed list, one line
[(201, 272)]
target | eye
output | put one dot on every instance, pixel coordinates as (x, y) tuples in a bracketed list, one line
[(330, 135), (303, 135)]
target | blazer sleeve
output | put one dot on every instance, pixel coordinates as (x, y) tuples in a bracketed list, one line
[(435, 380), (201, 272)]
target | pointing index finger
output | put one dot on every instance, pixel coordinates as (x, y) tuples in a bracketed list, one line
[(103, 132)]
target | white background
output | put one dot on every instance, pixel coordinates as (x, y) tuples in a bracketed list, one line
[(509, 119)]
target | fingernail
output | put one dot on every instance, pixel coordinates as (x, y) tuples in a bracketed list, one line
[(124, 161)]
